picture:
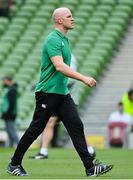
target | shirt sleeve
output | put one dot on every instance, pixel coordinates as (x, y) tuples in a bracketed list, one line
[(54, 47)]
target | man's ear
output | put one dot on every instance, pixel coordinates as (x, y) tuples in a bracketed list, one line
[(59, 20)]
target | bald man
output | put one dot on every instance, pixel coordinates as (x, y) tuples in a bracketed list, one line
[(52, 96)]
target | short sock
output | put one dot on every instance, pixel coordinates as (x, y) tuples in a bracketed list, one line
[(44, 151)]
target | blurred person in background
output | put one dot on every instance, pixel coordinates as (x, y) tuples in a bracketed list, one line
[(119, 127), (127, 100), (8, 108), (120, 115), (48, 133), (7, 7)]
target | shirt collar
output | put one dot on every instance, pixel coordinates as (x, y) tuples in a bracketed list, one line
[(60, 34)]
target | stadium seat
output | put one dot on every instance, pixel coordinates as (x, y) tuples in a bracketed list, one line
[(121, 14), (7, 70), (20, 20), (90, 2), (126, 2), (100, 14), (97, 20), (124, 8), (29, 8), (33, 2), (12, 64), (108, 2), (105, 8), (83, 8), (117, 21), (96, 57), (82, 14), (25, 14), (117, 134), (107, 39), (3, 24), (69, 2), (51, 2)]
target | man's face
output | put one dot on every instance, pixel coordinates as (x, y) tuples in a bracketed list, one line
[(120, 108), (6, 82), (67, 20)]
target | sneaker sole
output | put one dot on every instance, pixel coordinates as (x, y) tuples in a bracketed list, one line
[(9, 172), (30, 157), (107, 170)]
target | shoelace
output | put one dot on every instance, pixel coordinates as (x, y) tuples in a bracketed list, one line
[(97, 162), (98, 167)]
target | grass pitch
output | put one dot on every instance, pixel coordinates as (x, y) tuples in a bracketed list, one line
[(65, 164)]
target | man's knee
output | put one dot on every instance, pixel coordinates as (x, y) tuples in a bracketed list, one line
[(51, 123)]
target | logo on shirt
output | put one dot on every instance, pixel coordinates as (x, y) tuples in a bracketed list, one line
[(63, 43)]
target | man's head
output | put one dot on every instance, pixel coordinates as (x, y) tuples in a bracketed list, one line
[(130, 95), (63, 19), (7, 80), (120, 107)]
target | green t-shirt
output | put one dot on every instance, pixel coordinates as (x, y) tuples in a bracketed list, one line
[(52, 81)]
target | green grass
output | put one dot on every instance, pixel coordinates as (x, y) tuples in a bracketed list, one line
[(65, 164)]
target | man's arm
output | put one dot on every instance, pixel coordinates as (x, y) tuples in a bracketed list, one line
[(12, 100), (67, 71)]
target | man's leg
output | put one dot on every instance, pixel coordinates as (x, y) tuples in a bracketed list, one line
[(54, 142), (47, 136), (48, 132), (46, 139), (45, 105), (68, 114), (9, 133), (13, 133)]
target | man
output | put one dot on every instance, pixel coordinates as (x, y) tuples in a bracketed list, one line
[(52, 95), (8, 109)]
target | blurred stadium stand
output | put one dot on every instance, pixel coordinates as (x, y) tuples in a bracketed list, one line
[(100, 26), (116, 79)]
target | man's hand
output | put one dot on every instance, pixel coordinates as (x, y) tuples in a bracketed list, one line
[(89, 81)]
